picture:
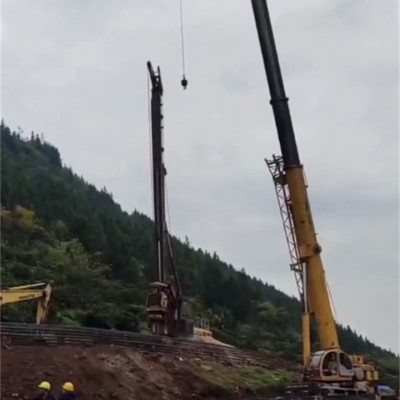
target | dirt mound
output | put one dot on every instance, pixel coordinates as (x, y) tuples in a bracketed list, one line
[(211, 340), (104, 372), (101, 372)]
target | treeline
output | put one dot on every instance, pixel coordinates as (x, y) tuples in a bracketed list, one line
[(71, 218)]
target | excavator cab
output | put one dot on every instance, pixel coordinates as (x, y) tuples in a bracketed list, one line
[(329, 366)]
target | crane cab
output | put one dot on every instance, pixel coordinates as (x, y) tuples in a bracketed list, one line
[(329, 366)]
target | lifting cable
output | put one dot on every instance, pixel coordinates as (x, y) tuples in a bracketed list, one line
[(184, 81)]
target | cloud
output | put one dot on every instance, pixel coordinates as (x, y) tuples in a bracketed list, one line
[(77, 73)]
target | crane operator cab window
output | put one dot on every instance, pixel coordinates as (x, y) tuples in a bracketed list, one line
[(330, 364), (337, 364)]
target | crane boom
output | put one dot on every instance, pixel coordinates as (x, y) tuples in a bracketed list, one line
[(333, 371), (316, 296)]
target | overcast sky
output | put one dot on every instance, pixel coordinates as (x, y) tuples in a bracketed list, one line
[(76, 71)]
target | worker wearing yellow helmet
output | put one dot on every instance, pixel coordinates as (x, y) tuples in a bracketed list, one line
[(68, 392), (45, 392)]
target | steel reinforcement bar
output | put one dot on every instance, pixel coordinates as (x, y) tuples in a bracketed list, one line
[(15, 334)]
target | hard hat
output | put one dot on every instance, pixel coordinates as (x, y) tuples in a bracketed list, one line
[(44, 385), (68, 386)]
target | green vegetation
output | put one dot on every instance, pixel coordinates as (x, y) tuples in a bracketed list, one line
[(255, 380), (56, 226)]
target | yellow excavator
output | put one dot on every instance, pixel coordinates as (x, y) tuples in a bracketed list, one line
[(329, 371), (37, 291)]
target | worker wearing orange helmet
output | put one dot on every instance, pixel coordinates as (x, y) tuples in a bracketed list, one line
[(68, 392), (45, 392)]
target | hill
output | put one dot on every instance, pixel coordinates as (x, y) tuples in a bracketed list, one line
[(56, 226)]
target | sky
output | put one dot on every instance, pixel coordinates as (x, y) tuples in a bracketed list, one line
[(76, 72)]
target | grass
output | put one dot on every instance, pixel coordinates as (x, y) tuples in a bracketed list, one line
[(250, 379)]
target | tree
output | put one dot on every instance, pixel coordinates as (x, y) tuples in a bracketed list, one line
[(56, 226)]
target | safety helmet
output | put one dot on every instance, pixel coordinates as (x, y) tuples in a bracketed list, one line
[(44, 385), (68, 386)]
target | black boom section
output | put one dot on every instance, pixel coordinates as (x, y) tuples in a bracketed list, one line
[(279, 101)]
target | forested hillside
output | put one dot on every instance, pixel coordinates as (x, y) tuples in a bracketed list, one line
[(55, 226)]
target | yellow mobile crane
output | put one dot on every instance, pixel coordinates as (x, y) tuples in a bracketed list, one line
[(328, 371), (39, 291)]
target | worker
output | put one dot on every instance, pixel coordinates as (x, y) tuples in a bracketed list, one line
[(333, 364), (68, 392), (45, 392)]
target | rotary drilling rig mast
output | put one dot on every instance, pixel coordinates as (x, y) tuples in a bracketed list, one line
[(164, 302)]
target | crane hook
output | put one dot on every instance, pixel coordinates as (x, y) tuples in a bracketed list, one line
[(184, 82)]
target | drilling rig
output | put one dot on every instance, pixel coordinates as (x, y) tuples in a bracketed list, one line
[(329, 370), (164, 300)]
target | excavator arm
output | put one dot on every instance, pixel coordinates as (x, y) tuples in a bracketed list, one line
[(39, 291)]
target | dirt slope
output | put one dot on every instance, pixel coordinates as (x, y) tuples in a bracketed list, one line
[(112, 373)]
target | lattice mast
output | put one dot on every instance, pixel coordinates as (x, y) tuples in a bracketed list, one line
[(277, 169)]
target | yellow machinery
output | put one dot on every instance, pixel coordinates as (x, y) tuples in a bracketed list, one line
[(38, 291), (202, 333), (328, 371)]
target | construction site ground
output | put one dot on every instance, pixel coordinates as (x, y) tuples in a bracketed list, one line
[(121, 373)]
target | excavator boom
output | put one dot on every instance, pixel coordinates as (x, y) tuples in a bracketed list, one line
[(40, 291)]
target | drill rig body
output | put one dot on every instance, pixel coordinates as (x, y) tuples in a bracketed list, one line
[(164, 301), (328, 370)]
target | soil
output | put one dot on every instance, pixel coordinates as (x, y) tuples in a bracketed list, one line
[(103, 372)]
